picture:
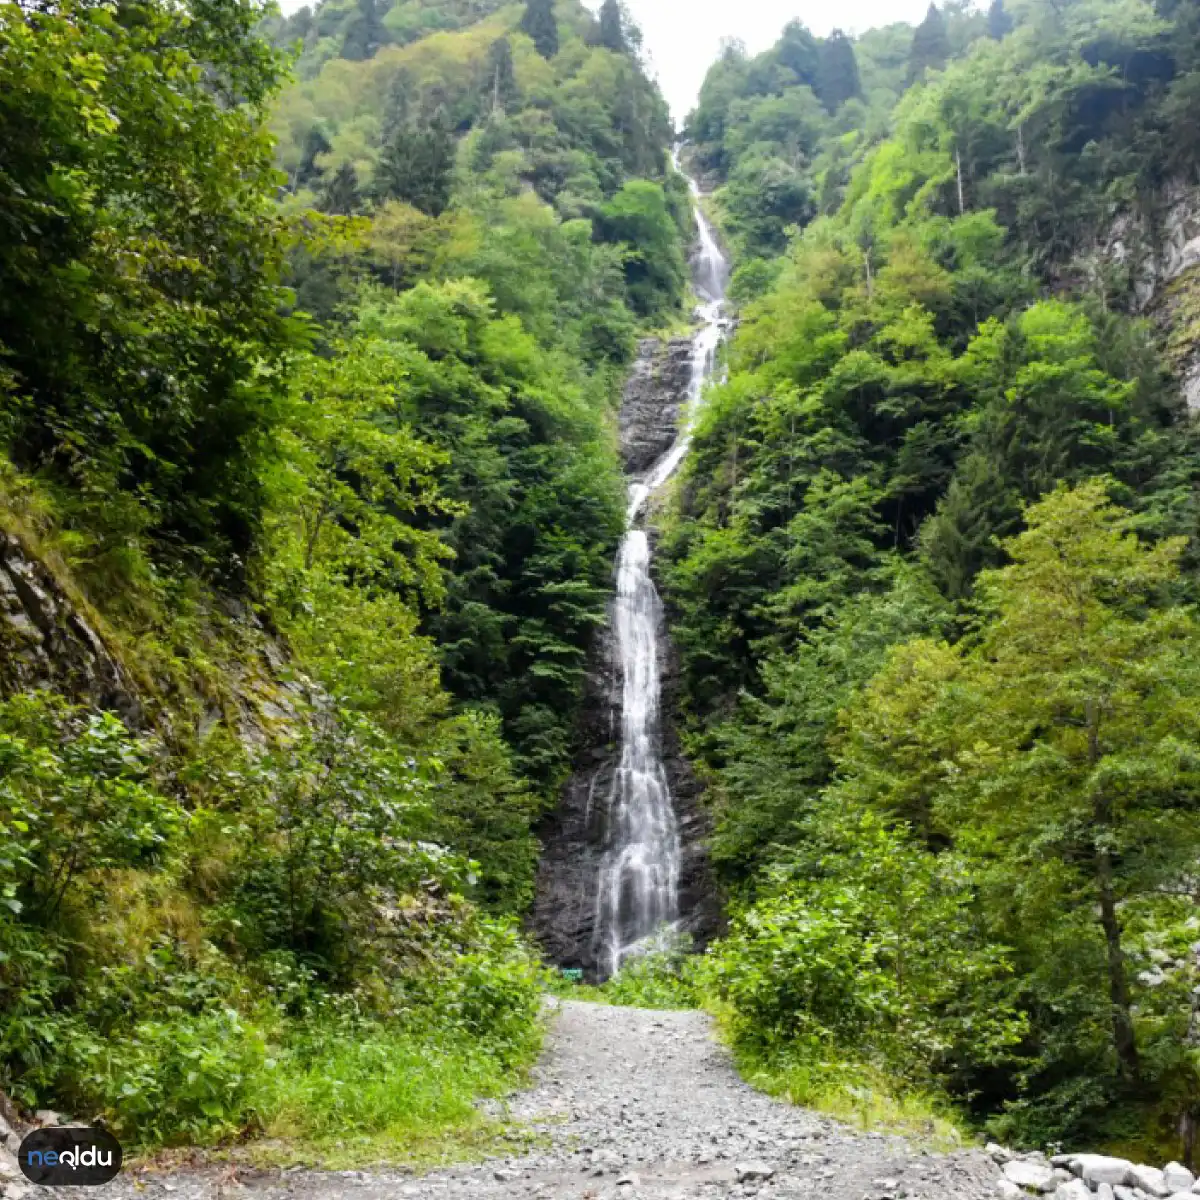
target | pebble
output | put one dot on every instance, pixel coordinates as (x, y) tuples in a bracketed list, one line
[(635, 1105)]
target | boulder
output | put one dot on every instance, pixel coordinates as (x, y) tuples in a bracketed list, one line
[(1095, 1169), (1178, 1178), (1150, 1179), (1033, 1177), (998, 1154), (1075, 1190), (1007, 1190)]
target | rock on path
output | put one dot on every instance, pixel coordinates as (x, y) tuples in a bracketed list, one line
[(638, 1105)]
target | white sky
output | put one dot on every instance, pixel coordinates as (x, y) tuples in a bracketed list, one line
[(683, 37)]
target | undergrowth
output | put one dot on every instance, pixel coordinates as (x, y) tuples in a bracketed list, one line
[(856, 1093)]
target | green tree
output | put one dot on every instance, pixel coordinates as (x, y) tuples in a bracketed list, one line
[(837, 72), (341, 197), (612, 27), (800, 52), (1055, 750), (930, 45), (501, 75), (1082, 645), (365, 32), (142, 314), (639, 219), (999, 23), (540, 23), (417, 166)]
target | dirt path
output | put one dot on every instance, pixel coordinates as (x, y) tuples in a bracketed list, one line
[(641, 1105)]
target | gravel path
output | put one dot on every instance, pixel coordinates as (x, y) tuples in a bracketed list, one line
[(638, 1105)]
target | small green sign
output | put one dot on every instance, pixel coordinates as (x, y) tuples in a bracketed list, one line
[(572, 974)]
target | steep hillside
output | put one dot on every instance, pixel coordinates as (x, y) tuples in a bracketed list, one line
[(933, 566), (308, 496)]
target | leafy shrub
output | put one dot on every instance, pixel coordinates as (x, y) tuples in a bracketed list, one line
[(193, 1078), (75, 798), (879, 958), (665, 978)]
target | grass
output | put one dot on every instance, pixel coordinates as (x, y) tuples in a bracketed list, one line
[(857, 1093), (387, 1097)]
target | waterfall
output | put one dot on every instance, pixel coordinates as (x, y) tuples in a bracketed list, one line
[(637, 894)]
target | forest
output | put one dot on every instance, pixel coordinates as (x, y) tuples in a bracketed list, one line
[(932, 566), (313, 332), (313, 335)]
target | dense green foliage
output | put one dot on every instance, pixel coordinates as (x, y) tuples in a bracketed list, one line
[(932, 572), (327, 457)]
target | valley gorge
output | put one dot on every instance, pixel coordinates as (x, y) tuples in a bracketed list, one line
[(520, 678), (624, 866)]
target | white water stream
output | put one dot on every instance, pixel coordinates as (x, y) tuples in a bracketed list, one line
[(637, 896)]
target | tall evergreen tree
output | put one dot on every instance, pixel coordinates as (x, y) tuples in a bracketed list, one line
[(612, 27), (798, 50), (416, 167), (930, 46), (365, 32), (837, 72), (342, 197), (999, 23), (502, 79), (541, 24), (315, 144)]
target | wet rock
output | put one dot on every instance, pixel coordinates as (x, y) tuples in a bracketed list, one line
[(565, 913), (655, 396), (46, 642)]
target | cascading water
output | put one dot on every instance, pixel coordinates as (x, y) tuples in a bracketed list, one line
[(638, 884)]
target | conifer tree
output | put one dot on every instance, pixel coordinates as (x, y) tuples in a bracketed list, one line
[(837, 72), (612, 28), (930, 47), (416, 167), (541, 24), (999, 23), (315, 144), (502, 80), (342, 197), (799, 52), (365, 33)]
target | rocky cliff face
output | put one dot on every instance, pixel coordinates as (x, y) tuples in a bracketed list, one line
[(49, 640), (46, 641), (1160, 248), (655, 396), (564, 916)]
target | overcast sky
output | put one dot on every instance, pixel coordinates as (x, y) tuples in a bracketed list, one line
[(683, 36)]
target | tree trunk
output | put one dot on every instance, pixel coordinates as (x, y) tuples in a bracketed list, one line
[(1124, 1041), (962, 203)]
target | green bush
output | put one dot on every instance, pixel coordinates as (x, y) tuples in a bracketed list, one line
[(665, 979), (183, 1079)]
